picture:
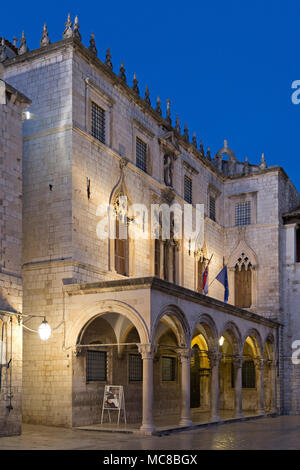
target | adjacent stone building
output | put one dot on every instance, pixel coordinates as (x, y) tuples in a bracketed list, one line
[(131, 311)]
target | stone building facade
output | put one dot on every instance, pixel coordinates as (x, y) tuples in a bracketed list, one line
[(132, 312)]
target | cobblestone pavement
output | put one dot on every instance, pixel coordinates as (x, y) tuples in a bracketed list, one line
[(267, 433)]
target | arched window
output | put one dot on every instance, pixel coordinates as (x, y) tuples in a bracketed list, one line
[(243, 282)]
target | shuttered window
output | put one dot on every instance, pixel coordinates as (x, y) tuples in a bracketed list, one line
[(212, 208), (188, 195), (243, 286), (98, 122), (96, 366)]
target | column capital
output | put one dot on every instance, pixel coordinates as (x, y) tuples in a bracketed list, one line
[(238, 361), (147, 350), (260, 363), (214, 358), (185, 354)]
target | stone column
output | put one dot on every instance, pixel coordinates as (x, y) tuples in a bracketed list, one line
[(147, 351), (274, 386), (214, 359), (238, 363), (185, 358), (260, 363)]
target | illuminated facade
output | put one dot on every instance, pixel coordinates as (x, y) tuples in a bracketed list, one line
[(132, 312)]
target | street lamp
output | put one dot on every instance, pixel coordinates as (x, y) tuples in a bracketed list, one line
[(44, 330), (221, 341)]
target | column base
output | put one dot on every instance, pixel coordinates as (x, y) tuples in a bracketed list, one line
[(215, 419), (185, 422), (147, 429)]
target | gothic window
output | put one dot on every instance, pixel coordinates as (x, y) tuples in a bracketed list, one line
[(243, 282), (96, 366), (243, 213), (121, 249), (141, 154), (212, 208), (98, 122), (135, 373), (168, 368), (298, 245), (188, 190)]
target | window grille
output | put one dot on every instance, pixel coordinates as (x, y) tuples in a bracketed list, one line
[(168, 369), (141, 154), (243, 213), (135, 368), (212, 208), (96, 366), (248, 375), (98, 122), (188, 190)]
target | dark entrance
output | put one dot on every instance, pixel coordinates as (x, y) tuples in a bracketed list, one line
[(195, 378)]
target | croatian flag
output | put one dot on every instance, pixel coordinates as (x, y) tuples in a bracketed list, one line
[(222, 277), (205, 281)]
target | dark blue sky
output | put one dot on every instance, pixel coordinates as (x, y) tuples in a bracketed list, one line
[(227, 66)]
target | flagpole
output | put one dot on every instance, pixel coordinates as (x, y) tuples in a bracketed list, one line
[(216, 277)]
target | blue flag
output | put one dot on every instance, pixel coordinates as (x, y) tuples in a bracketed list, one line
[(223, 279)]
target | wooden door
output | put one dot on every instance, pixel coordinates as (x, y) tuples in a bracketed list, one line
[(243, 287)]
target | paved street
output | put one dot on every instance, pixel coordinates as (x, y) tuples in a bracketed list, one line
[(268, 433)]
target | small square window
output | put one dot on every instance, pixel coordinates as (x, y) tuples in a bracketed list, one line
[(243, 213), (212, 208), (188, 196), (141, 154), (98, 122), (168, 369), (96, 366), (135, 368)]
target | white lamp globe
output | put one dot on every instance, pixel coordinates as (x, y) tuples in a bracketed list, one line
[(221, 341), (44, 330)]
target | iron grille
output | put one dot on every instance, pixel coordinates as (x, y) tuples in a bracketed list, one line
[(168, 369), (96, 366), (188, 190), (98, 122), (243, 213), (141, 154), (135, 368), (212, 208), (248, 375)]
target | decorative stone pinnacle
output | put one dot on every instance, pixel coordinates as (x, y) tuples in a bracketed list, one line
[(208, 156), (15, 40), (225, 143), (108, 59), (76, 27), (168, 117), (3, 54), (122, 75), (158, 106), (45, 41), (68, 33), (177, 126), (92, 46), (186, 133), (194, 140), (23, 46), (262, 162), (135, 86), (202, 149), (147, 95)]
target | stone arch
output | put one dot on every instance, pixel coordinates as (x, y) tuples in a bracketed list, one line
[(254, 335), (207, 327), (86, 316), (231, 331), (241, 248), (182, 324)]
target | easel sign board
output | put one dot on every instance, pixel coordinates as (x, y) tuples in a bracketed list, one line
[(113, 399)]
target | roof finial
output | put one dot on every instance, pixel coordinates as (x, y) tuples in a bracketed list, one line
[(208, 156), (15, 40), (262, 164), (158, 106), (92, 46), (186, 133), (68, 33), (3, 54), (23, 46), (225, 144), (135, 86), (122, 72), (168, 116), (108, 59), (201, 148), (147, 96), (177, 126), (76, 32), (45, 41), (194, 140)]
